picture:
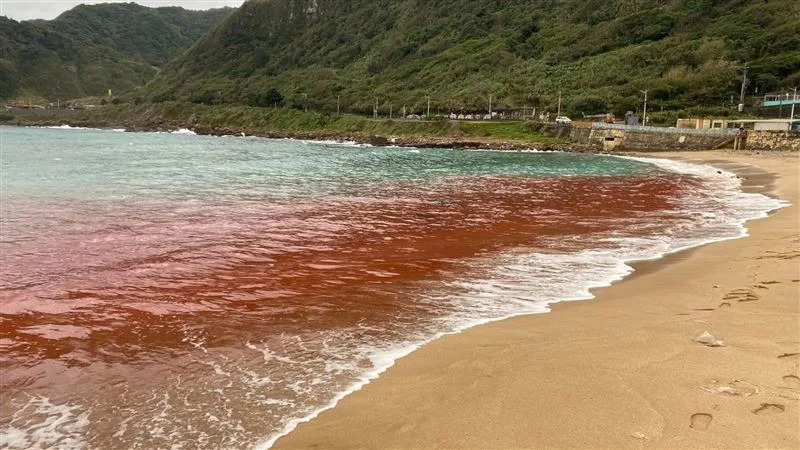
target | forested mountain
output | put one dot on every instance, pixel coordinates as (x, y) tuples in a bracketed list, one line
[(599, 53), (90, 49)]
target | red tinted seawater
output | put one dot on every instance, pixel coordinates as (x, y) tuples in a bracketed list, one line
[(212, 323)]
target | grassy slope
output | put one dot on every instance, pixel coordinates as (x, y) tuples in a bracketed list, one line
[(598, 53), (285, 121)]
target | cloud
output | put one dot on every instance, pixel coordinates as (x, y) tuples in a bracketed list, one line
[(50, 9)]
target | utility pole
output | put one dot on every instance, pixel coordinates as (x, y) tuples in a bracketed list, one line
[(428, 113), (338, 100), (559, 103), (305, 102), (375, 111), (644, 119), (791, 120), (744, 85), (390, 112), (490, 106)]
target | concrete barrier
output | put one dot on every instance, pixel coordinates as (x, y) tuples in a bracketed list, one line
[(620, 138)]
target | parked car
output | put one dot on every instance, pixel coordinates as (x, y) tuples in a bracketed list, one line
[(563, 120)]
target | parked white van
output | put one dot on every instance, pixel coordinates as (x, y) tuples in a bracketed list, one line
[(563, 120)]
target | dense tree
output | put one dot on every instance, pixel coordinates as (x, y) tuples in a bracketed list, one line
[(90, 49), (599, 54), (267, 97)]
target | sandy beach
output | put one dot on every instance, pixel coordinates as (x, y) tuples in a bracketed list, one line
[(620, 371)]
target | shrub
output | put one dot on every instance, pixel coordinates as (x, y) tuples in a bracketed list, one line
[(204, 97), (265, 98)]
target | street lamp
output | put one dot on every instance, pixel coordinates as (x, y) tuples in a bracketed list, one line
[(644, 119)]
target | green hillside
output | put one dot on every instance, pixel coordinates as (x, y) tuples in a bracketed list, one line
[(89, 49), (599, 54)]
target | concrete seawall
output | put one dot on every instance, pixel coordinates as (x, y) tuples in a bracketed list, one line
[(621, 138)]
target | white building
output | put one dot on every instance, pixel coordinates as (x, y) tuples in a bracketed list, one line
[(748, 124)]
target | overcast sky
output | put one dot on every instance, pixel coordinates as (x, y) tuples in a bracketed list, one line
[(49, 9)]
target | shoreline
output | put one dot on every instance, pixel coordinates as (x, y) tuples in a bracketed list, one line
[(418, 377), (755, 180), (418, 139)]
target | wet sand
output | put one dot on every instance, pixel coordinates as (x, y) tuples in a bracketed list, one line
[(621, 371)]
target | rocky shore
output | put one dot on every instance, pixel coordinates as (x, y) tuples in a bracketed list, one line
[(154, 124)]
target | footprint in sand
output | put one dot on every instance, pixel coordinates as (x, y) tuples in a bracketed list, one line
[(766, 284), (700, 421), (780, 255), (769, 408), (741, 295), (792, 380)]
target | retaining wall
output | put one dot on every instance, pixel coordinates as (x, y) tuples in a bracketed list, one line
[(773, 140), (620, 138)]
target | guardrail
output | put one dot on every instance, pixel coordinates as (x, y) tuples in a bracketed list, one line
[(721, 132)]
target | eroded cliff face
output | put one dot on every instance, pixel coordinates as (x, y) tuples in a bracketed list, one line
[(273, 19)]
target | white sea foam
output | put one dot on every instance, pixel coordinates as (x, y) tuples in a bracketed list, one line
[(67, 127), (524, 150), (382, 360), (70, 127), (726, 187), (56, 426), (184, 131), (525, 281), (336, 143)]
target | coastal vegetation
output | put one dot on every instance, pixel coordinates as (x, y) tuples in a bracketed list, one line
[(92, 48), (599, 55), (363, 57), (237, 119)]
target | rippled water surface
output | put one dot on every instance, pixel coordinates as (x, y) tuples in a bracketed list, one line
[(163, 290)]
